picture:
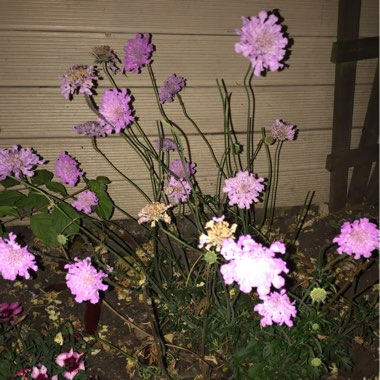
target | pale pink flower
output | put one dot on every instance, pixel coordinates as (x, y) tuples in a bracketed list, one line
[(18, 161), (276, 308), (14, 259), (262, 42), (85, 201), (79, 79), (85, 281), (66, 168), (72, 363), (39, 373), (9, 310), (93, 129), (166, 144), (252, 265), (172, 86), (359, 238), (243, 189), (154, 212), (138, 52), (178, 190), (177, 168), (282, 131), (116, 109)]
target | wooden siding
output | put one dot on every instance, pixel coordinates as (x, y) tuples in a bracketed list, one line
[(40, 39)]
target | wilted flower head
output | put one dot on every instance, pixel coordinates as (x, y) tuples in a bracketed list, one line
[(72, 362), (14, 259), (172, 86), (253, 265), (18, 161), (84, 281), (177, 168), (79, 79), (276, 308), (359, 238), (262, 42), (93, 129), (153, 213), (218, 230), (243, 189), (9, 310), (166, 144), (104, 54), (283, 131), (178, 190), (85, 201), (318, 295), (116, 109), (66, 168), (138, 53)]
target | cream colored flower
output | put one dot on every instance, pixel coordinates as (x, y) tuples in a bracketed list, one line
[(217, 231), (153, 213)]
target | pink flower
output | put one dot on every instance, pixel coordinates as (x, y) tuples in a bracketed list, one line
[(116, 109), (276, 308), (66, 168), (361, 238), (243, 189), (166, 144), (23, 373), (15, 260), (253, 265), (19, 161), (71, 361), (177, 168), (85, 201), (138, 53), (262, 42), (178, 190), (93, 129), (9, 310), (79, 79), (172, 86), (283, 131), (84, 281), (39, 373)]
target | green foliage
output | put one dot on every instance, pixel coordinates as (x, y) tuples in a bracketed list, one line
[(105, 207)]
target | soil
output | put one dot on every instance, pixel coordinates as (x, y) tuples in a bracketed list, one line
[(107, 364)]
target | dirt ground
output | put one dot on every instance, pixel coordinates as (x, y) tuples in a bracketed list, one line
[(107, 364)]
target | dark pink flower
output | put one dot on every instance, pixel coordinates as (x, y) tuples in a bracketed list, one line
[(85, 201), (9, 310), (79, 79), (66, 168), (138, 53), (72, 363), (18, 161), (172, 86), (39, 373)]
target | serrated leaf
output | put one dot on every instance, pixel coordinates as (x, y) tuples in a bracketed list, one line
[(56, 187), (42, 177), (9, 182)]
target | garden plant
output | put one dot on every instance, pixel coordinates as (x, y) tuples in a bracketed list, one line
[(225, 289)]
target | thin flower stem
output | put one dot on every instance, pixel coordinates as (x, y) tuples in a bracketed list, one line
[(108, 75), (250, 116)]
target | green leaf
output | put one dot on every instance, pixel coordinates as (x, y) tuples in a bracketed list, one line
[(64, 224), (42, 177), (105, 207), (43, 228), (32, 201), (9, 210), (56, 187), (9, 182), (10, 197)]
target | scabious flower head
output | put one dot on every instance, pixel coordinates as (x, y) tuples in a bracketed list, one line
[(280, 130), (359, 238), (116, 109), (177, 168), (9, 310), (153, 213), (243, 189), (104, 54), (166, 144), (93, 128), (277, 308), (85, 201), (72, 362), (66, 168), (85, 281), (217, 230), (79, 79), (14, 259), (178, 190), (18, 161), (316, 362), (262, 42), (253, 265), (172, 86), (138, 52), (318, 295)]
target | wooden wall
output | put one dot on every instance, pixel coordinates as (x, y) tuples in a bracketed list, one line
[(41, 39)]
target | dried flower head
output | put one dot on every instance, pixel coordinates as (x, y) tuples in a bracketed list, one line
[(79, 79), (166, 144), (217, 230), (138, 53), (282, 131), (93, 129), (262, 42), (172, 86), (14, 259), (153, 213), (359, 238), (104, 54), (85, 201), (66, 168), (178, 190), (72, 363), (18, 161)]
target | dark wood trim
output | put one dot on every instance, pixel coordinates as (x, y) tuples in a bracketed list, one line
[(355, 50)]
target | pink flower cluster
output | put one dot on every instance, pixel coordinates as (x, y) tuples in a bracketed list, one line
[(282, 131), (79, 79), (178, 190), (138, 53), (85, 201), (359, 238), (172, 86), (66, 168)]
